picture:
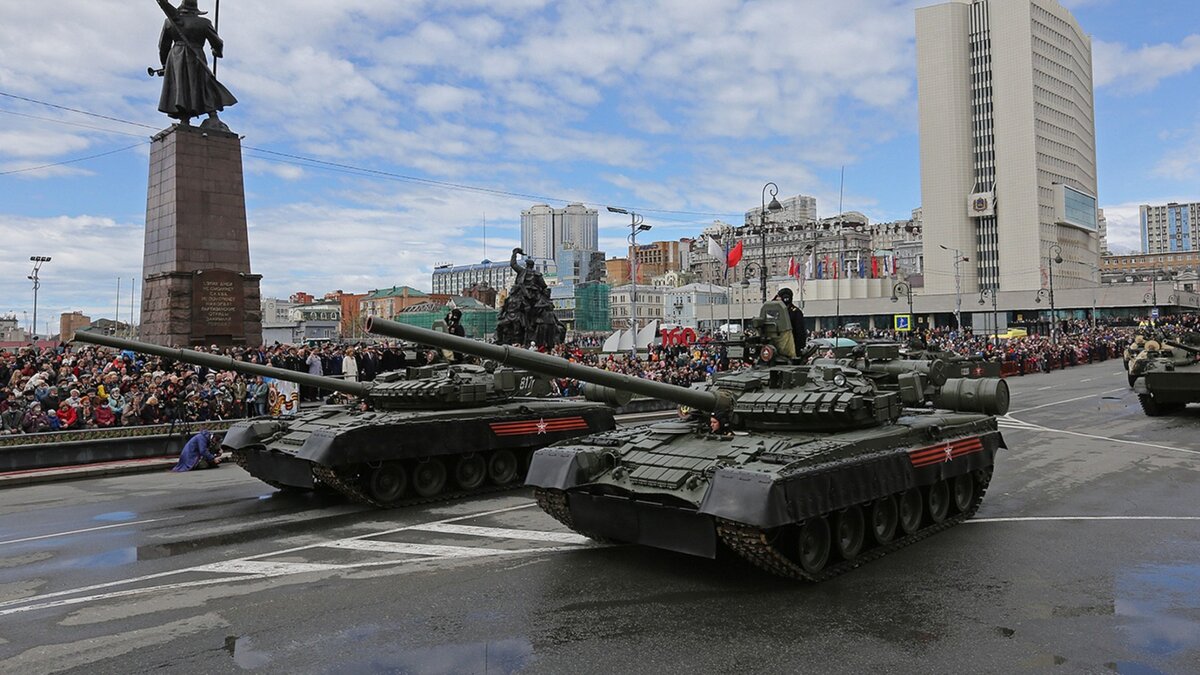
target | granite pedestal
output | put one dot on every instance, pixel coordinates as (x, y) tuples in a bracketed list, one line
[(197, 285)]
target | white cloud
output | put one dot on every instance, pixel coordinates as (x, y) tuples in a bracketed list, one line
[(88, 254), (1140, 70), (1124, 227), (1182, 161)]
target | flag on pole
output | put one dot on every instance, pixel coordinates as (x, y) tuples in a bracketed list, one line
[(714, 249), (735, 255), (809, 264), (793, 268)]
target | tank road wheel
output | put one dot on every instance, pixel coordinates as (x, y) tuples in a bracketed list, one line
[(912, 509), (884, 519), (429, 477), (850, 529), (938, 501), (470, 471), (388, 483), (502, 467), (814, 544), (963, 491)]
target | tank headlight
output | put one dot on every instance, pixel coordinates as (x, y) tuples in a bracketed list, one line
[(767, 353), (839, 380)]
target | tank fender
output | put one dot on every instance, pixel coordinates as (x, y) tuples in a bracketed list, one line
[(749, 497), (251, 432), (563, 468)]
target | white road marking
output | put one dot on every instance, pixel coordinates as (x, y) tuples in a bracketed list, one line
[(1030, 426), (1086, 379), (502, 533), (264, 568), (406, 548), (1039, 519), (46, 600), (1045, 388), (1070, 400), (115, 594), (83, 531)]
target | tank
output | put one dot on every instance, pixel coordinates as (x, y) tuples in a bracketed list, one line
[(1166, 377), (806, 471), (426, 433)]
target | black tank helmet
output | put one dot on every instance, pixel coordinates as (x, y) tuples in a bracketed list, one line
[(785, 294)]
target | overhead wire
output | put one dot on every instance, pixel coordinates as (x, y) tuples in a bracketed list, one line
[(72, 161), (326, 164)]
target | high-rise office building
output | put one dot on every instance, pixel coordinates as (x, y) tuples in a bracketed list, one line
[(1171, 228), (546, 231), (1008, 145)]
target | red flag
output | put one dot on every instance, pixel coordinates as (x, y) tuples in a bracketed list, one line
[(793, 269), (735, 255), (874, 267)]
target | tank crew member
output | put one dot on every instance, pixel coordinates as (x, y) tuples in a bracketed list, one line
[(798, 335), (718, 424)]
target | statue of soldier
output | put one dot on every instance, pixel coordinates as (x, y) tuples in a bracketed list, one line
[(190, 89)]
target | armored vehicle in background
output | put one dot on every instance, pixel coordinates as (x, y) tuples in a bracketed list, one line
[(1166, 377), (804, 470), (418, 434)]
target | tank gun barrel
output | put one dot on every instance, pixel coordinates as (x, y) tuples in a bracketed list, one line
[(545, 364), (218, 362), (1187, 348)]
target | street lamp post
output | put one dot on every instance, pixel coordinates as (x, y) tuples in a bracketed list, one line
[(37, 261), (959, 258), (1055, 256), (906, 288), (636, 224), (773, 207), (995, 316), (750, 270)]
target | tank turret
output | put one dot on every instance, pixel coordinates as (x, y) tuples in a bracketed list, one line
[(418, 388), (805, 470)]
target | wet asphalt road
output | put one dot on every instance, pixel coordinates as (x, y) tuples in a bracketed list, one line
[(1085, 557)]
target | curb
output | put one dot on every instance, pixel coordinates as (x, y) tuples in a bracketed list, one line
[(36, 476)]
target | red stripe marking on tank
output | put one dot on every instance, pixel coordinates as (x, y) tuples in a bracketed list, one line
[(938, 454), (527, 427), (941, 449)]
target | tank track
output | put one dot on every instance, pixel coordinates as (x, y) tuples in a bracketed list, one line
[(349, 488), (755, 545), (554, 502)]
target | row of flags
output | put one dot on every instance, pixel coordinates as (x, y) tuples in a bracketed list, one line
[(816, 267)]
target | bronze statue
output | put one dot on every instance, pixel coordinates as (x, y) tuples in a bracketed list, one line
[(190, 89), (527, 315)]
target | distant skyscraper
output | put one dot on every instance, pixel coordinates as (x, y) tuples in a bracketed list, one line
[(800, 209), (1170, 229), (1008, 144), (546, 231), (1102, 231)]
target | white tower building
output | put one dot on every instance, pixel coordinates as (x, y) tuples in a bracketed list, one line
[(1008, 145)]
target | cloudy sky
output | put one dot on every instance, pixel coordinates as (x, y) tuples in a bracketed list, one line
[(445, 118)]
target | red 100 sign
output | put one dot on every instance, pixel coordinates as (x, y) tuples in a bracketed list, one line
[(678, 337)]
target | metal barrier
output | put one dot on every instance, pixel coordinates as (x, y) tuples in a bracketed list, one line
[(91, 446)]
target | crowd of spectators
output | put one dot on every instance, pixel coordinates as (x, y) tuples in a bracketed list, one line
[(678, 365), (77, 387)]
